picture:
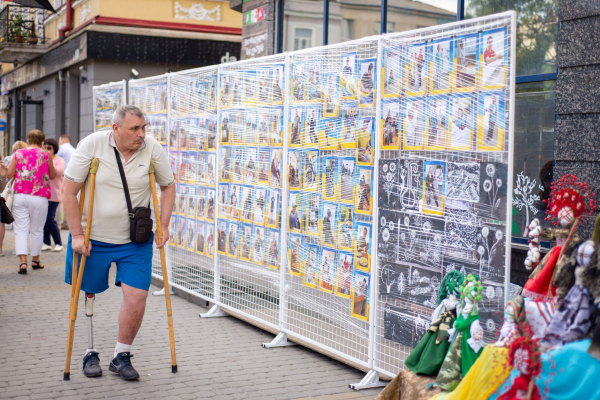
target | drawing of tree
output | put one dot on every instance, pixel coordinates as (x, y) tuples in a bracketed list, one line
[(388, 277), (526, 199)]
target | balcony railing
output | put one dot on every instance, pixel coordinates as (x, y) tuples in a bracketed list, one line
[(20, 24)]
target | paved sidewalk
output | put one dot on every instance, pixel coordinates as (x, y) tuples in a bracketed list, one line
[(218, 358)]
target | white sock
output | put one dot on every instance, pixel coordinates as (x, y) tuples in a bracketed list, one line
[(121, 348), (90, 350)]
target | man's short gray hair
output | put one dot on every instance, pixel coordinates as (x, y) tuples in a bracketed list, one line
[(122, 111)]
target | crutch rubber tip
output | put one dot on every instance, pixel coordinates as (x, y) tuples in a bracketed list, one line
[(67, 376), (174, 369)]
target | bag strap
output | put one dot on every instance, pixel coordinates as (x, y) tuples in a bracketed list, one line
[(124, 180)]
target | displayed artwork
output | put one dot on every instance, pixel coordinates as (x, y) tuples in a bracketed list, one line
[(460, 228), (492, 190), (413, 283), (200, 238), (273, 249), (238, 165), (222, 237), (298, 82), (493, 58), (260, 201), (392, 74), (434, 187), (246, 206), (310, 131), (310, 168), (490, 252), (419, 239), (295, 254), (251, 167), (263, 165), (263, 76), (414, 123), (349, 65), (330, 178), (349, 117), (348, 166), (250, 88), (415, 63), (315, 74), (466, 58), (223, 199), (273, 206), (437, 123), (312, 210), (390, 125), (258, 251), (462, 181), (327, 270), (250, 128), (328, 224), (277, 88), (398, 325), (362, 255), (264, 128), (345, 227), (294, 207), (294, 177), (296, 124), (246, 242), (173, 230), (310, 276), (332, 94), (275, 168), (389, 184), (461, 122), (235, 199), (364, 190), (441, 65), (490, 120), (210, 204), (364, 140), (360, 295), (366, 90), (343, 274), (237, 90), (277, 126), (225, 175), (225, 87)]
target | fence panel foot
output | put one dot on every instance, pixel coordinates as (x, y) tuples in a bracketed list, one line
[(161, 292), (370, 380), (215, 311), (278, 341)]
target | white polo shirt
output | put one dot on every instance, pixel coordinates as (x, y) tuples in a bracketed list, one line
[(111, 222)]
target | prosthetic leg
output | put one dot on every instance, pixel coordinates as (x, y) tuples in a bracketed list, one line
[(89, 313)]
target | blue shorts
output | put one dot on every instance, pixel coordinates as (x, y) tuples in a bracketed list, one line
[(134, 265)]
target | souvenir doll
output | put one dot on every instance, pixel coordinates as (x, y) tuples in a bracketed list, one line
[(467, 337), (429, 354)]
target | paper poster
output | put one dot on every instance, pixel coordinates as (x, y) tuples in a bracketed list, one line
[(360, 295)]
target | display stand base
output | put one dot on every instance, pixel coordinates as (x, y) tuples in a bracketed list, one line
[(278, 341), (215, 311), (161, 292), (370, 380)]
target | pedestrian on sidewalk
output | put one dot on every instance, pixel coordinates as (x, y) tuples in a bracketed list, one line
[(110, 231), (32, 169), (65, 150), (51, 227), (18, 145)]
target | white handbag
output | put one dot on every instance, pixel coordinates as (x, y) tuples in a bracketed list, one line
[(9, 193)]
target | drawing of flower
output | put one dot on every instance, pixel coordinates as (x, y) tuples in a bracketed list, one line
[(490, 170)]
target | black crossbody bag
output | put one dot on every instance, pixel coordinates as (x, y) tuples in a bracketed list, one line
[(140, 218)]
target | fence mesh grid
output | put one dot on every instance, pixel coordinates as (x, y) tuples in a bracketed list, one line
[(107, 98)]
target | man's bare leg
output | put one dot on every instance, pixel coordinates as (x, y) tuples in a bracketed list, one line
[(132, 313)]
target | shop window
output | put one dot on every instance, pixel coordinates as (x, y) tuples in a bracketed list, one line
[(537, 30), (302, 38)]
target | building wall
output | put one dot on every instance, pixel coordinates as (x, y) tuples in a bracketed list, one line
[(576, 144)]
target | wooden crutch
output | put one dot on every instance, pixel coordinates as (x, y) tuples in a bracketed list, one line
[(163, 261), (76, 285)]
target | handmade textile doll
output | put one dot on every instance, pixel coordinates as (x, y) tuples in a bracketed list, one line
[(428, 355), (467, 337), (512, 313), (572, 320)]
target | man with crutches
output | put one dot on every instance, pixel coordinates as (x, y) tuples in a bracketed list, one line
[(119, 231)]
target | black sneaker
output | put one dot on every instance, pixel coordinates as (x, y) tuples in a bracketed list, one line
[(91, 365), (121, 365)]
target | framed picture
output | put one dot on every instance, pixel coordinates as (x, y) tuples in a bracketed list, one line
[(247, 205), (181, 203), (277, 84), (237, 90), (362, 252), (264, 83), (461, 121), (391, 73), (332, 134), (191, 202), (349, 116), (328, 224), (462, 181), (298, 83), (294, 212), (223, 199), (225, 164), (209, 242), (210, 205), (343, 274), (200, 204), (365, 131), (310, 170), (173, 230), (264, 128), (315, 85), (296, 124), (225, 128), (466, 59), (232, 239), (331, 97), (225, 87), (349, 66), (211, 169), (173, 132), (327, 270), (414, 123), (250, 128), (263, 165), (364, 190), (294, 168), (390, 125), (345, 228), (192, 128), (275, 169), (235, 193), (416, 69), (211, 133), (195, 167), (330, 178), (200, 238), (310, 276), (258, 252), (295, 254), (493, 61), (348, 166), (277, 126), (250, 90), (366, 84), (312, 209), (183, 134), (436, 123), (182, 166), (360, 295), (434, 187), (490, 121), (237, 128), (250, 167), (273, 206), (246, 243), (181, 231), (173, 161), (260, 195), (311, 128), (273, 249), (222, 237), (441, 65)]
